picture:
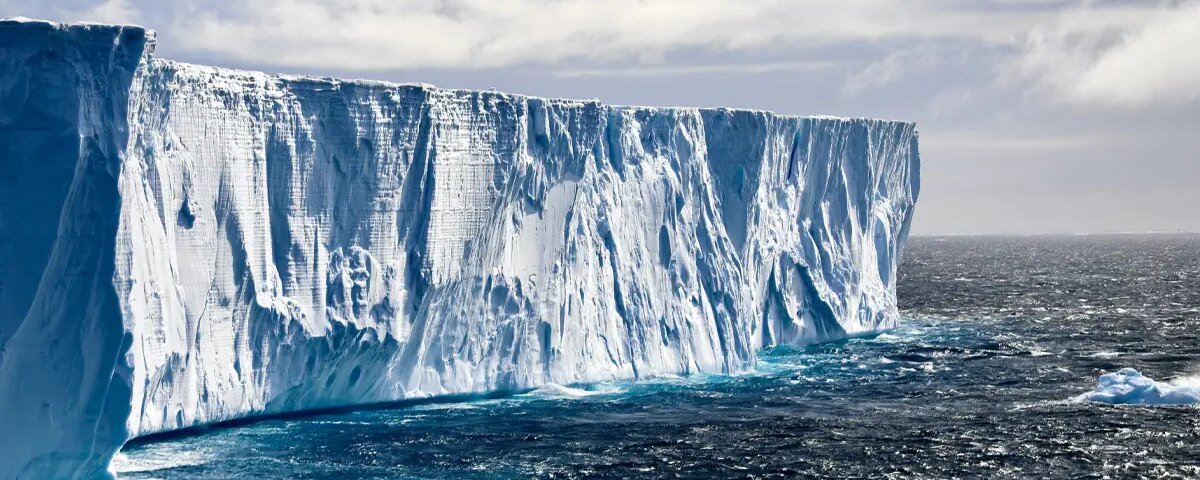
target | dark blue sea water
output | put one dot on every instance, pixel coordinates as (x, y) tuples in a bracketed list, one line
[(1000, 334)]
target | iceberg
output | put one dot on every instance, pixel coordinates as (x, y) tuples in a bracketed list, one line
[(182, 245)]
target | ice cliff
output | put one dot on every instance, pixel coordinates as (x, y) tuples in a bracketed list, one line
[(182, 245)]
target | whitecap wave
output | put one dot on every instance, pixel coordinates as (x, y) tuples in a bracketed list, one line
[(557, 391), (1128, 386), (157, 458)]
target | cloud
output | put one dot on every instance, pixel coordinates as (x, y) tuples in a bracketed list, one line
[(879, 73), (897, 65), (1156, 64), (111, 11), (676, 70), (1124, 57), (985, 140), (1091, 52), (101, 11), (400, 34)]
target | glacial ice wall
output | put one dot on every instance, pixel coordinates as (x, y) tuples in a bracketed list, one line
[(213, 244), (65, 381)]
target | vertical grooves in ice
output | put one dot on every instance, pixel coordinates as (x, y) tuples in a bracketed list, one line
[(265, 244)]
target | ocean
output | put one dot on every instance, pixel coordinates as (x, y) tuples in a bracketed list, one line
[(1000, 337)]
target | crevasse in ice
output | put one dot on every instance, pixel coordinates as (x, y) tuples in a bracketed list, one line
[(182, 245)]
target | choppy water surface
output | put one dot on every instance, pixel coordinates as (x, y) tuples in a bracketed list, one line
[(1000, 334)]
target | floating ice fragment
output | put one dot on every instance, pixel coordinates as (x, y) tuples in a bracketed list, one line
[(1128, 386)]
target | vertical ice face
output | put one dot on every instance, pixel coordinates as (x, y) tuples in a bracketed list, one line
[(64, 384), (819, 209), (215, 244)]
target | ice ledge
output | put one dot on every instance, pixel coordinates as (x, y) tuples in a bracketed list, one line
[(128, 32), (71, 25), (335, 82), (362, 82)]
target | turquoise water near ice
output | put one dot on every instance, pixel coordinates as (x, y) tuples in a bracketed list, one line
[(1000, 335)]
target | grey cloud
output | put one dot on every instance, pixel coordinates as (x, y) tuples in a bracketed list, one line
[(1035, 115)]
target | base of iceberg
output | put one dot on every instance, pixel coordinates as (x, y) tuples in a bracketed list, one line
[(1128, 386), (182, 245)]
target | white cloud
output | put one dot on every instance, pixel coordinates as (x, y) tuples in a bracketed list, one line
[(1091, 52), (391, 34), (111, 11), (676, 70), (1127, 57), (879, 73), (1157, 64), (99, 11), (897, 65)]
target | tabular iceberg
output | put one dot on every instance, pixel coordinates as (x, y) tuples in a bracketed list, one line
[(182, 245)]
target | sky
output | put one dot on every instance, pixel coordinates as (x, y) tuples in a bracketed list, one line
[(1035, 116)]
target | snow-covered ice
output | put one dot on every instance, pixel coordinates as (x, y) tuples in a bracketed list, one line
[(1128, 386), (182, 245)]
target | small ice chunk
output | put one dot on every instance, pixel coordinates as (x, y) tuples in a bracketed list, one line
[(1128, 386)]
